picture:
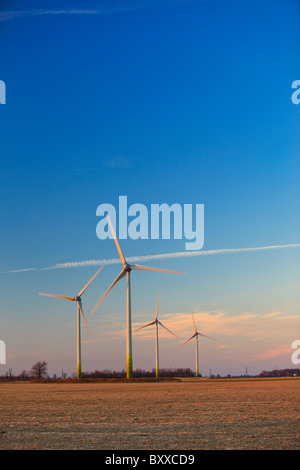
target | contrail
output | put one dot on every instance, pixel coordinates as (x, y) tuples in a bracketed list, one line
[(180, 254)]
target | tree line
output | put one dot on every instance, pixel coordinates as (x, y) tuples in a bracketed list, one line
[(280, 373), (39, 371)]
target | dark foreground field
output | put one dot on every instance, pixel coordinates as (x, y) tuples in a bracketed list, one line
[(187, 415)]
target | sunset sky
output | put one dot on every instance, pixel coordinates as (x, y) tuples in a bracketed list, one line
[(181, 101)]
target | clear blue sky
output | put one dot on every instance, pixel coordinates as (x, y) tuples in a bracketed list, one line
[(186, 102)]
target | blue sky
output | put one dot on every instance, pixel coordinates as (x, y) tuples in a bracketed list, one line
[(168, 102)]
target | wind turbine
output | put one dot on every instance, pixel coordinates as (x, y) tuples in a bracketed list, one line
[(127, 268), (156, 322), (195, 335), (79, 311)]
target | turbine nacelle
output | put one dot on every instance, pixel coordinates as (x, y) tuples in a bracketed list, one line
[(156, 321), (197, 333), (127, 268)]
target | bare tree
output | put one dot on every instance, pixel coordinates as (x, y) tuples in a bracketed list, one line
[(9, 374), (39, 370), (24, 375)]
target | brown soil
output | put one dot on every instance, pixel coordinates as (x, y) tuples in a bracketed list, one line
[(187, 415)]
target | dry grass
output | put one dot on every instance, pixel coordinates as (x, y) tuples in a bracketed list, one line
[(186, 415)]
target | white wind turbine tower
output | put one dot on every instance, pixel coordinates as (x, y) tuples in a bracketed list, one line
[(156, 322), (127, 268), (79, 311), (195, 335)]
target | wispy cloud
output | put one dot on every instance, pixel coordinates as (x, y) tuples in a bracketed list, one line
[(112, 163), (281, 350), (272, 314), (116, 162), (18, 14), (244, 328), (134, 259), (104, 9)]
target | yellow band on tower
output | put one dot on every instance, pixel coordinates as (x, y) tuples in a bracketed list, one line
[(129, 366)]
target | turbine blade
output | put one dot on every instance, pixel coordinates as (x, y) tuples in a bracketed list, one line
[(82, 290), (120, 276), (144, 326), (84, 319), (157, 306), (200, 334), (122, 258), (189, 339), (167, 329), (58, 296), (146, 268), (194, 322)]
